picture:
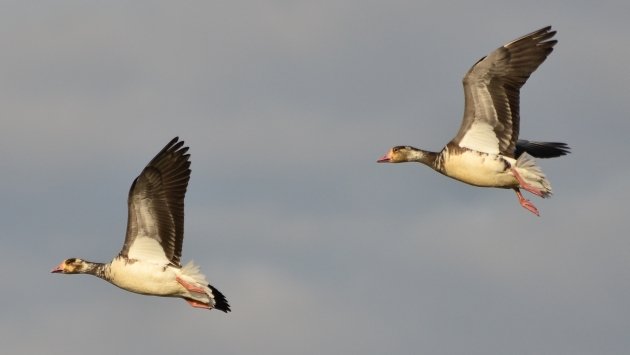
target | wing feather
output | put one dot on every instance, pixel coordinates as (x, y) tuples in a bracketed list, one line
[(155, 225), (491, 92)]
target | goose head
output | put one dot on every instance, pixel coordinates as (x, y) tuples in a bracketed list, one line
[(73, 266), (401, 154)]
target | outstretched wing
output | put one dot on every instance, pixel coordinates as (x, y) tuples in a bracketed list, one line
[(491, 91), (155, 226)]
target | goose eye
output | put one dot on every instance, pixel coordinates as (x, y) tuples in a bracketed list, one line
[(74, 261)]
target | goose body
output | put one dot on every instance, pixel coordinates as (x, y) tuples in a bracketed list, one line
[(149, 262), (486, 151), (484, 170)]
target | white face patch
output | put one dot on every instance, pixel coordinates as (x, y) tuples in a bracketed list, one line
[(481, 137)]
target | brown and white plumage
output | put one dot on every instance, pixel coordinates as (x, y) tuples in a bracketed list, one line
[(149, 262), (156, 206), (486, 150)]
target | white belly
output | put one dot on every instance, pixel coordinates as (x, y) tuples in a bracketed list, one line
[(479, 169), (145, 278)]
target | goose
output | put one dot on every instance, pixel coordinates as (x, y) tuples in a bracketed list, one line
[(149, 262), (486, 151)]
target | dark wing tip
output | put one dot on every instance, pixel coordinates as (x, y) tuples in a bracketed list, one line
[(542, 37), (220, 302), (173, 146), (544, 32), (173, 142), (541, 149)]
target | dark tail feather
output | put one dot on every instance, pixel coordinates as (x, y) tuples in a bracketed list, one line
[(541, 149), (220, 302)]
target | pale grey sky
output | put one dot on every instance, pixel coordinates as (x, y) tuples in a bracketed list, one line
[(285, 107)]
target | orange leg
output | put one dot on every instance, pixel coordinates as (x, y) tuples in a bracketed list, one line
[(197, 304), (190, 287), (526, 203), (527, 187)]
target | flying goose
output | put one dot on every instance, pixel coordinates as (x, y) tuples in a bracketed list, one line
[(486, 151), (149, 262)]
